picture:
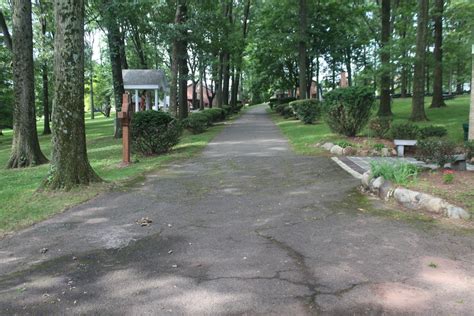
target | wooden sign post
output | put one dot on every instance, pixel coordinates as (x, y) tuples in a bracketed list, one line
[(125, 116)]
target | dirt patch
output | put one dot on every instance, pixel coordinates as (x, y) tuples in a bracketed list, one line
[(459, 192)]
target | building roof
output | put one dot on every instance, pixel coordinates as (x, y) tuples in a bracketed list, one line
[(144, 79)]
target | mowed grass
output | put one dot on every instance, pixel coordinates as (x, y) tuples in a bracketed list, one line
[(304, 137), (21, 204)]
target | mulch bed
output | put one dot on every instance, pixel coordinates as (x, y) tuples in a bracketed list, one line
[(460, 192)]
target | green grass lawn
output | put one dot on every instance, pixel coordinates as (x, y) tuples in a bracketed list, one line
[(303, 137), (22, 204)]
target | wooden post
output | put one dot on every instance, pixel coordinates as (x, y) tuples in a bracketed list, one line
[(125, 117)]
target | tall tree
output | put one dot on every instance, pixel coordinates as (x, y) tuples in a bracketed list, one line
[(238, 66), (182, 61), (437, 100), (44, 65), (114, 40), (418, 100), (385, 106), (25, 145), (471, 113), (69, 166), (302, 48)]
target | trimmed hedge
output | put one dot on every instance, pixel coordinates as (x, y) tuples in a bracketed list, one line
[(154, 132), (348, 109), (307, 111)]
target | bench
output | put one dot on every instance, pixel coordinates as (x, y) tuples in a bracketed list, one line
[(448, 96), (401, 143), (459, 163)]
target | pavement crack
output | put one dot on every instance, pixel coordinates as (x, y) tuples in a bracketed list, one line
[(299, 259)]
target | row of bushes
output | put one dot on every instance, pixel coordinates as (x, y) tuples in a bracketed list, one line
[(156, 132), (382, 127), (346, 110)]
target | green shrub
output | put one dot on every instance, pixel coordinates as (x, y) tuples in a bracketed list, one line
[(285, 100), (228, 110), (154, 132), (287, 111), (196, 123), (343, 143), (216, 114), (436, 150), (379, 147), (433, 131), (469, 149), (348, 109), (307, 110), (380, 126), (404, 131), (400, 173), (279, 107)]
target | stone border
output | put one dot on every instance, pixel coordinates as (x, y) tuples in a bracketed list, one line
[(351, 151), (410, 199)]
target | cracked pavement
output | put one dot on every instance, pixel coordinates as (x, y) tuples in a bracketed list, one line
[(248, 227)]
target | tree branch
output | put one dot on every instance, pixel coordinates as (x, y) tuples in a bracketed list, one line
[(6, 33)]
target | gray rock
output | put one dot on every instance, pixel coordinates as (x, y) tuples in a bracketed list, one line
[(386, 190), (327, 146), (336, 150), (407, 198), (385, 152), (348, 151), (366, 179), (376, 184), (456, 212), (432, 204)]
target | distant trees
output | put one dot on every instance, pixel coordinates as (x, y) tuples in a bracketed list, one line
[(418, 100)]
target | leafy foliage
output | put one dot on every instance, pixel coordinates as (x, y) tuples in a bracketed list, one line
[(348, 109), (433, 131), (307, 111), (436, 150), (154, 132), (404, 131), (400, 173), (197, 123), (380, 126)]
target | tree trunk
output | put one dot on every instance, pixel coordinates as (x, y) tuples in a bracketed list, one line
[(44, 72), (225, 78), (302, 49), (25, 145), (201, 90), (46, 114), (471, 113), (348, 66), (459, 83), (385, 108), (114, 40), (69, 166), (91, 82), (418, 100), (437, 100), (236, 84), (6, 33), (183, 64), (174, 80), (123, 55)]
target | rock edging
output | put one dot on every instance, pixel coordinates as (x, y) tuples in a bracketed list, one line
[(410, 199), (350, 151)]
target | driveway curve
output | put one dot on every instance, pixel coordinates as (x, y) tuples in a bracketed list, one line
[(248, 227)]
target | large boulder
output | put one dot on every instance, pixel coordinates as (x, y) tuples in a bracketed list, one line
[(336, 150), (348, 151), (327, 146), (366, 179)]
